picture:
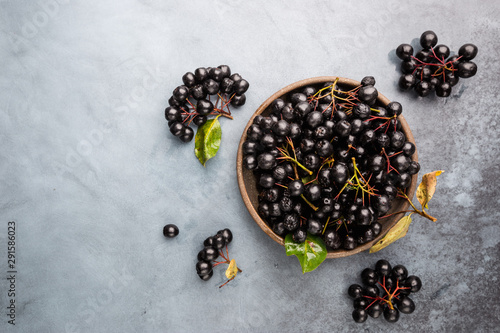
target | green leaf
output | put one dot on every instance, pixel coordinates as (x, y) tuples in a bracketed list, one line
[(207, 140), (398, 231), (307, 179), (311, 253), (427, 187)]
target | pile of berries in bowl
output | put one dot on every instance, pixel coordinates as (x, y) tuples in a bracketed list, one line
[(327, 156)]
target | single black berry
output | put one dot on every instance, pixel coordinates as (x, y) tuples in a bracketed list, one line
[(170, 230)]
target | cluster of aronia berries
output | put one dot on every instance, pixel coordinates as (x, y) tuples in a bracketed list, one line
[(432, 68), (329, 161), (212, 250), (208, 92), (386, 290)]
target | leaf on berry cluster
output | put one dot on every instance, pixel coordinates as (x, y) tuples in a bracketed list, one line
[(232, 270), (207, 140), (427, 187), (398, 231), (311, 253), (308, 179)]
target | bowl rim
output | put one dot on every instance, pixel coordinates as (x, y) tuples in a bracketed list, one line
[(240, 168)]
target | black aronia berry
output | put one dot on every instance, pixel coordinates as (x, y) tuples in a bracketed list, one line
[(339, 173), (432, 69)]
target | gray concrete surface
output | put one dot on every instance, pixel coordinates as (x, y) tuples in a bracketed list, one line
[(90, 174)]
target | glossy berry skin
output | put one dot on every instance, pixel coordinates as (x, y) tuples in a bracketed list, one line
[(377, 228), (211, 86), (413, 168), (279, 229), (414, 283), (394, 108), (408, 148), (227, 234), (332, 239), (343, 128), (349, 243), (173, 113), (201, 74), (189, 79), (467, 69), (219, 242), (398, 139), (266, 180), (250, 162), (203, 267), (206, 277), (442, 51), (208, 254), (314, 227), (375, 310), (170, 230), (238, 100), (177, 128), (226, 85), (216, 74), (313, 192), (198, 92), (359, 315), (406, 305), (404, 51), (391, 315), (360, 303), (361, 110), (371, 291), (399, 272), (204, 107), (187, 135), (368, 94), (281, 128), (324, 148), (368, 81), (423, 88), (468, 51), (406, 81), (408, 66), (266, 161), (302, 109), (181, 93), (383, 267), (428, 39), (443, 89), (355, 291), (299, 235), (200, 120), (241, 86), (314, 119), (400, 162), (296, 188), (369, 276), (363, 216), (208, 242), (340, 173)]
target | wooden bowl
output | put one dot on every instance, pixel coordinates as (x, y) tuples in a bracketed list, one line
[(248, 184)]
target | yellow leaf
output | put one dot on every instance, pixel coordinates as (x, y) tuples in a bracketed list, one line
[(232, 270), (427, 187), (396, 232)]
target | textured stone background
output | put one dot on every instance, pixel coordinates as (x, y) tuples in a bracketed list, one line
[(90, 173)]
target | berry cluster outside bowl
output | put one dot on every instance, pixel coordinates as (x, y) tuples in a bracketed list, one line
[(247, 180)]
